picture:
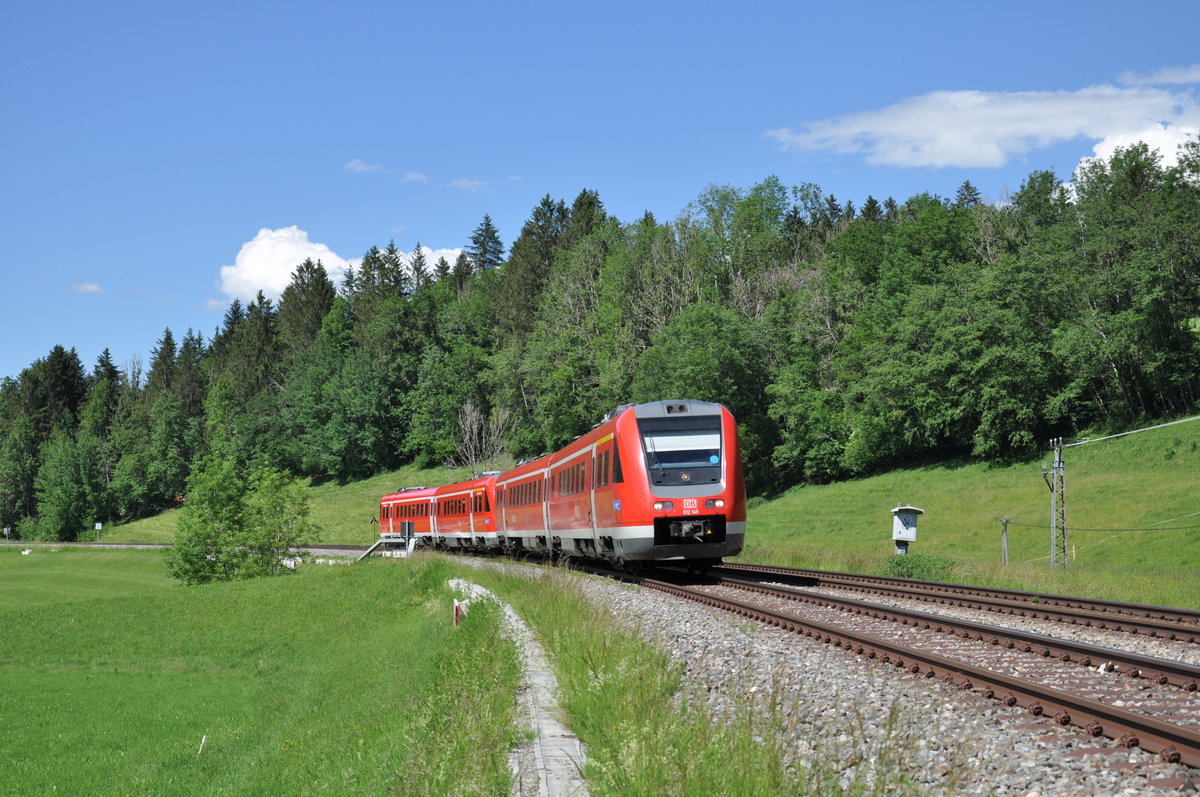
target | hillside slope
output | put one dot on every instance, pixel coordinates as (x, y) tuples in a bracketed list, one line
[(1133, 519)]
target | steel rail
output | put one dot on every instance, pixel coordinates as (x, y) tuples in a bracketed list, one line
[(1155, 621), (1172, 743), (1133, 665)]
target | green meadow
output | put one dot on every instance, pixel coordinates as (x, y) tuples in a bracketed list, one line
[(1148, 480), (54, 574), (351, 679), (333, 680)]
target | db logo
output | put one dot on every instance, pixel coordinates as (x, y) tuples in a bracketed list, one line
[(689, 503)]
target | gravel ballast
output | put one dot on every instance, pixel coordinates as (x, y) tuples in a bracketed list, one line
[(878, 728)]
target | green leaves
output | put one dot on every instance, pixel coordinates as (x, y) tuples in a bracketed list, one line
[(234, 527)]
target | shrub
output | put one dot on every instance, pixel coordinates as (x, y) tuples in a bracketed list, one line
[(232, 527), (923, 566)]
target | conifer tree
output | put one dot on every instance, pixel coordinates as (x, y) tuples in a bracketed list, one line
[(419, 267), (163, 366), (441, 269), (967, 196), (486, 250), (302, 307)]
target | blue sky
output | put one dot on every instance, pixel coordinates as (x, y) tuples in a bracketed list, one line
[(159, 159)]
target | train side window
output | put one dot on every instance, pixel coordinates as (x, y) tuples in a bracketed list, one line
[(618, 476)]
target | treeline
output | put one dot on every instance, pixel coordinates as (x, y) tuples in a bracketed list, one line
[(845, 339)]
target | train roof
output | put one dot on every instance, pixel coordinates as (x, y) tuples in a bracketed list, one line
[(409, 492), (673, 407)]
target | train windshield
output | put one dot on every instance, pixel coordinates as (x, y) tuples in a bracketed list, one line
[(681, 443)]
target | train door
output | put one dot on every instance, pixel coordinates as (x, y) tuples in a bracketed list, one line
[(593, 481), (603, 508)]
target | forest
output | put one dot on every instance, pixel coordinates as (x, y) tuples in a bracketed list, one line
[(846, 339)]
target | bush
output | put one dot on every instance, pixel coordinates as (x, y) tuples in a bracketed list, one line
[(921, 566), (232, 527)]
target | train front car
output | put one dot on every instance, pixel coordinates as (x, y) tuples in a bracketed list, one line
[(682, 494)]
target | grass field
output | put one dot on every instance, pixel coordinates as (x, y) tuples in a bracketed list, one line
[(339, 679), (51, 575), (332, 680), (1149, 480)]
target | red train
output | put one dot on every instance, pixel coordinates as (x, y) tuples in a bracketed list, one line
[(652, 482)]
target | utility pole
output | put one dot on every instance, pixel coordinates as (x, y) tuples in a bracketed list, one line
[(1004, 540), (1058, 505)]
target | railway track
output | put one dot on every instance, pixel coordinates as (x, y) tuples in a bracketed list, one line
[(1135, 700), (1155, 621)]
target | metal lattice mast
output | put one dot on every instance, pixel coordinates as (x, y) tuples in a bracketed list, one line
[(1055, 480)]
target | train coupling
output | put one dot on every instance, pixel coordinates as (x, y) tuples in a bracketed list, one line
[(687, 531)]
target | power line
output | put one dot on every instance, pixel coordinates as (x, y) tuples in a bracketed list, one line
[(1080, 528), (1131, 431), (1055, 474)]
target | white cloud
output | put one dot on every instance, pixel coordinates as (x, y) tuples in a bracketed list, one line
[(87, 287), (416, 177), (468, 185), (359, 166), (266, 263), (987, 129), (1165, 138), (1171, 75)]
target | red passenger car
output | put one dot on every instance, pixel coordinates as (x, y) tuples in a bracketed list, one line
[(463, 514), (652, 482)]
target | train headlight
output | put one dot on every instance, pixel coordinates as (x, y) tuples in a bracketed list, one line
[(659, 506), (714, 503)]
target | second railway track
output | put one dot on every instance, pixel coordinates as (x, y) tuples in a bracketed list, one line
[(1155, 621), (1136, 700)]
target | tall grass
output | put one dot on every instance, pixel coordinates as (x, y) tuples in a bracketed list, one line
[(337, 680)]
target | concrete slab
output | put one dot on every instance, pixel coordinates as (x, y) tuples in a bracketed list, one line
[(551, 764)]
